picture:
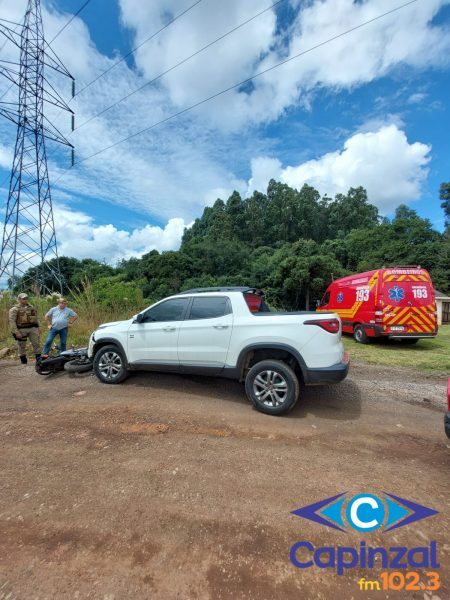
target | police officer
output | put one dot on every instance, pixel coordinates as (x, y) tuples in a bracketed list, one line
[(24, 324)]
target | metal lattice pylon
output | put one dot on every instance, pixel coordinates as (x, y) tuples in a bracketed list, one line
[(29, 238)]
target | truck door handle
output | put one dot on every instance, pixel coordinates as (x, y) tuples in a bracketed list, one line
[(169, 328), (220, 326)]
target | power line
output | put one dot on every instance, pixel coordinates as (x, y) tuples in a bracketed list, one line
[(29, 238), (237, 85), (178, 64), (178, 16), (139, 46), (53, 39), (1, 50), (6, 41), (70, 21), (1, 98)]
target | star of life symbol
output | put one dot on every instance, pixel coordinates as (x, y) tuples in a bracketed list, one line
[(396, 294)]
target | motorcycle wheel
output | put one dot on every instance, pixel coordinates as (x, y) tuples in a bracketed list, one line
[(43, 370), (78, 366)]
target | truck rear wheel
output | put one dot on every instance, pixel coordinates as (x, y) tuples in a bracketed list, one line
[(272, 386), (360, 335)]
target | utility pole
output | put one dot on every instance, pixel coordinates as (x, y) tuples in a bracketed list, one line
[(29, 238)]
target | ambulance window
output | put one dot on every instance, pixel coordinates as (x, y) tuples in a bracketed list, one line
[(325, 299)]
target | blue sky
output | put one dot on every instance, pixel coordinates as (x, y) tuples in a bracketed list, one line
[(368, 109)]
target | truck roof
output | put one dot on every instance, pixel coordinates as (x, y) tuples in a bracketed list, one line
[(242, 289)]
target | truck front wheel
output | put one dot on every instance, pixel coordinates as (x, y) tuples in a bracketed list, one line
[(360, 335), (272, 386), (109, 365)]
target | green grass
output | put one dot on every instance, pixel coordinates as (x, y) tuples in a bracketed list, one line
[(426, 355)]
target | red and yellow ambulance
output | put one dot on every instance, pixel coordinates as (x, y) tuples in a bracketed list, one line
[(397, 302)]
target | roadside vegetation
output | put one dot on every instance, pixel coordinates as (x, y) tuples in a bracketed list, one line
[(91, 308), (290, 243)]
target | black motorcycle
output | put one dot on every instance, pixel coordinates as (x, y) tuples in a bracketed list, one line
[(73, 361)]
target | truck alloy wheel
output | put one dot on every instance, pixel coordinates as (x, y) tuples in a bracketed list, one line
[(272, 386), (109, 365)]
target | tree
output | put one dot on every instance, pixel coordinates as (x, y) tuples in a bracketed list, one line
[(292, 243), (300, 274), (215, 256), (73, 273), (349, 212), (235, 209), (444, 195), (165, 272), (254, 230)]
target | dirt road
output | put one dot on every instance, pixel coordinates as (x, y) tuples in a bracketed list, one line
[(174, 487)]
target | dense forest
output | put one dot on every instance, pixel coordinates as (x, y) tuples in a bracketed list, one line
[(291, 243)]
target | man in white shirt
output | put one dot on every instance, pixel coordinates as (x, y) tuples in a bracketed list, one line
[(59, 319)]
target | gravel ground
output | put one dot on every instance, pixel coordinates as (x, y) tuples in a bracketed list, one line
[(174, 487)]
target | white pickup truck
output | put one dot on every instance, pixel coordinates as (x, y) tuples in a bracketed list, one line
[(226, 332)]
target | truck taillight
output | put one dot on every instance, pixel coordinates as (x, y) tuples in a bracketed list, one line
[(330, 325)]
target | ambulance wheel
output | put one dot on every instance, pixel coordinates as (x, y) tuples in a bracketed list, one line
[(360, 335)]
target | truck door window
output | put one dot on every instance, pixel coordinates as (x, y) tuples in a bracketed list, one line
[(170, 310), (209, 308)]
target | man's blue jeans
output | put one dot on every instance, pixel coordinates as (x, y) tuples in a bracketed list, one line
[(51, 336)]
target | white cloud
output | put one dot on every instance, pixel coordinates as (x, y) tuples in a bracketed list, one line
[(406, 37), (6, 156), (80, 237), (384, 162), (171, 172), (263, 170), (228, 62), (417, 98)]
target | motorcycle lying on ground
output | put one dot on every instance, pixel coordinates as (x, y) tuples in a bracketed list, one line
[(73, 361)]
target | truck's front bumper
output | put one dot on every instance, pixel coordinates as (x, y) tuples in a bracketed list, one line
[(90, 351), (332, 374)]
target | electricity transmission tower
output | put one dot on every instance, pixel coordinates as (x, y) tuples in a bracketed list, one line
[(29, 239)]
